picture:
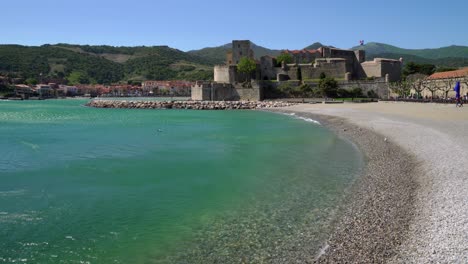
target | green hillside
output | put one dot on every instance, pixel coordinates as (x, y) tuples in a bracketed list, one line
[(218, 54), (108, 64), (453, 51), (101, 64), (316, 45), (442, 62)]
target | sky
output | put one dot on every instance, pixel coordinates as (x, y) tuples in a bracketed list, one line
[(188, 25)]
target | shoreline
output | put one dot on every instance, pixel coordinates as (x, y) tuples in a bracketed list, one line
[(435, 135), (378, 207)]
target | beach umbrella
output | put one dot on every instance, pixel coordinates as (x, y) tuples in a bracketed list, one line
[(457, 89)]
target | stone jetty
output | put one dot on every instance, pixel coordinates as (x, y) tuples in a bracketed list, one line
[(195, 105)]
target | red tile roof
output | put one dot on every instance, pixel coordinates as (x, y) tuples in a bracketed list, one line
[(450, 74)]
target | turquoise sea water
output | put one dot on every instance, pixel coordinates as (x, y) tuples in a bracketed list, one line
[(85, 185)]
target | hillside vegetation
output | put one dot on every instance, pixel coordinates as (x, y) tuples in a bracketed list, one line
[(108, 64), (218, 54), (452, 56), (101, 64)]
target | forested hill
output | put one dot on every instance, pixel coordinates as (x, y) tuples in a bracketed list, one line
[(101, 64), (218, 54), (452, 56), (374, 48), (107, 64)]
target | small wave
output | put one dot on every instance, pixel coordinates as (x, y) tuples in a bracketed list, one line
[(33, 244), (34, 147), (11, 260), (19, 217), (309, 120), (12, 193), (303, 118)]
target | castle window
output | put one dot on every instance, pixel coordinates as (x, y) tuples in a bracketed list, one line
[(240, 53)]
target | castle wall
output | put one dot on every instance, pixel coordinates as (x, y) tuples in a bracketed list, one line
[(304, 57), (380, 87), (267, 68), (335, 68), (372, 69), (380, 67), (221, 74), (201, 91), (292, 71), (249, 94), (392, 68), (205, 91), (360, 55)]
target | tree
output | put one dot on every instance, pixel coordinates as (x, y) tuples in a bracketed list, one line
[(328, 87), (356, 92), (284, 57), (412, 68), (447, 86), (306, 90), (247, 66), (445, 69), (416, 81), (343, 93), (465, 81), (432, 87), (78, 77), (402, 88), (31, 81)]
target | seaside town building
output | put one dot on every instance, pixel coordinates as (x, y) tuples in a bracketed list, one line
[(347, 66), (44, 90), (180, 88), (443, 83)]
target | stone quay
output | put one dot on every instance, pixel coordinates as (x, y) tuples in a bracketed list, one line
[(195, 105)]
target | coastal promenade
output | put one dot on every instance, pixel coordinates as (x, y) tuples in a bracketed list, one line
[(436, 230)]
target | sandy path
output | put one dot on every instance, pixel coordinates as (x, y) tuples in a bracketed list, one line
[(438, 136)]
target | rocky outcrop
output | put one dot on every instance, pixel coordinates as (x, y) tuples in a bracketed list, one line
[(195, 105)]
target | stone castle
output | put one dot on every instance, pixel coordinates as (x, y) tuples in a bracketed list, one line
[(307, 66)]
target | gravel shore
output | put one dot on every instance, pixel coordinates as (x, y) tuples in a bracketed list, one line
[(375, 219), (432, 180)]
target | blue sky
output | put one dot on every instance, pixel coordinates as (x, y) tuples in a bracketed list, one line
[(187, 25)]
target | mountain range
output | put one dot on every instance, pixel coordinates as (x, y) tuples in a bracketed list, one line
[(109, 64), (452, 56)]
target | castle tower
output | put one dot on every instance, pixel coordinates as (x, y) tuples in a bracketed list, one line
[(241, 48), (360, 55)]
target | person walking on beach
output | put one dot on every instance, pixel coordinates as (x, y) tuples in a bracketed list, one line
[(457, 94)]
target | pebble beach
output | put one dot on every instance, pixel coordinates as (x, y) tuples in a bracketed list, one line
[(410, 205)]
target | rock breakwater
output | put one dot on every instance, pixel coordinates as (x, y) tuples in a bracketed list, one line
[(195, 105)]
